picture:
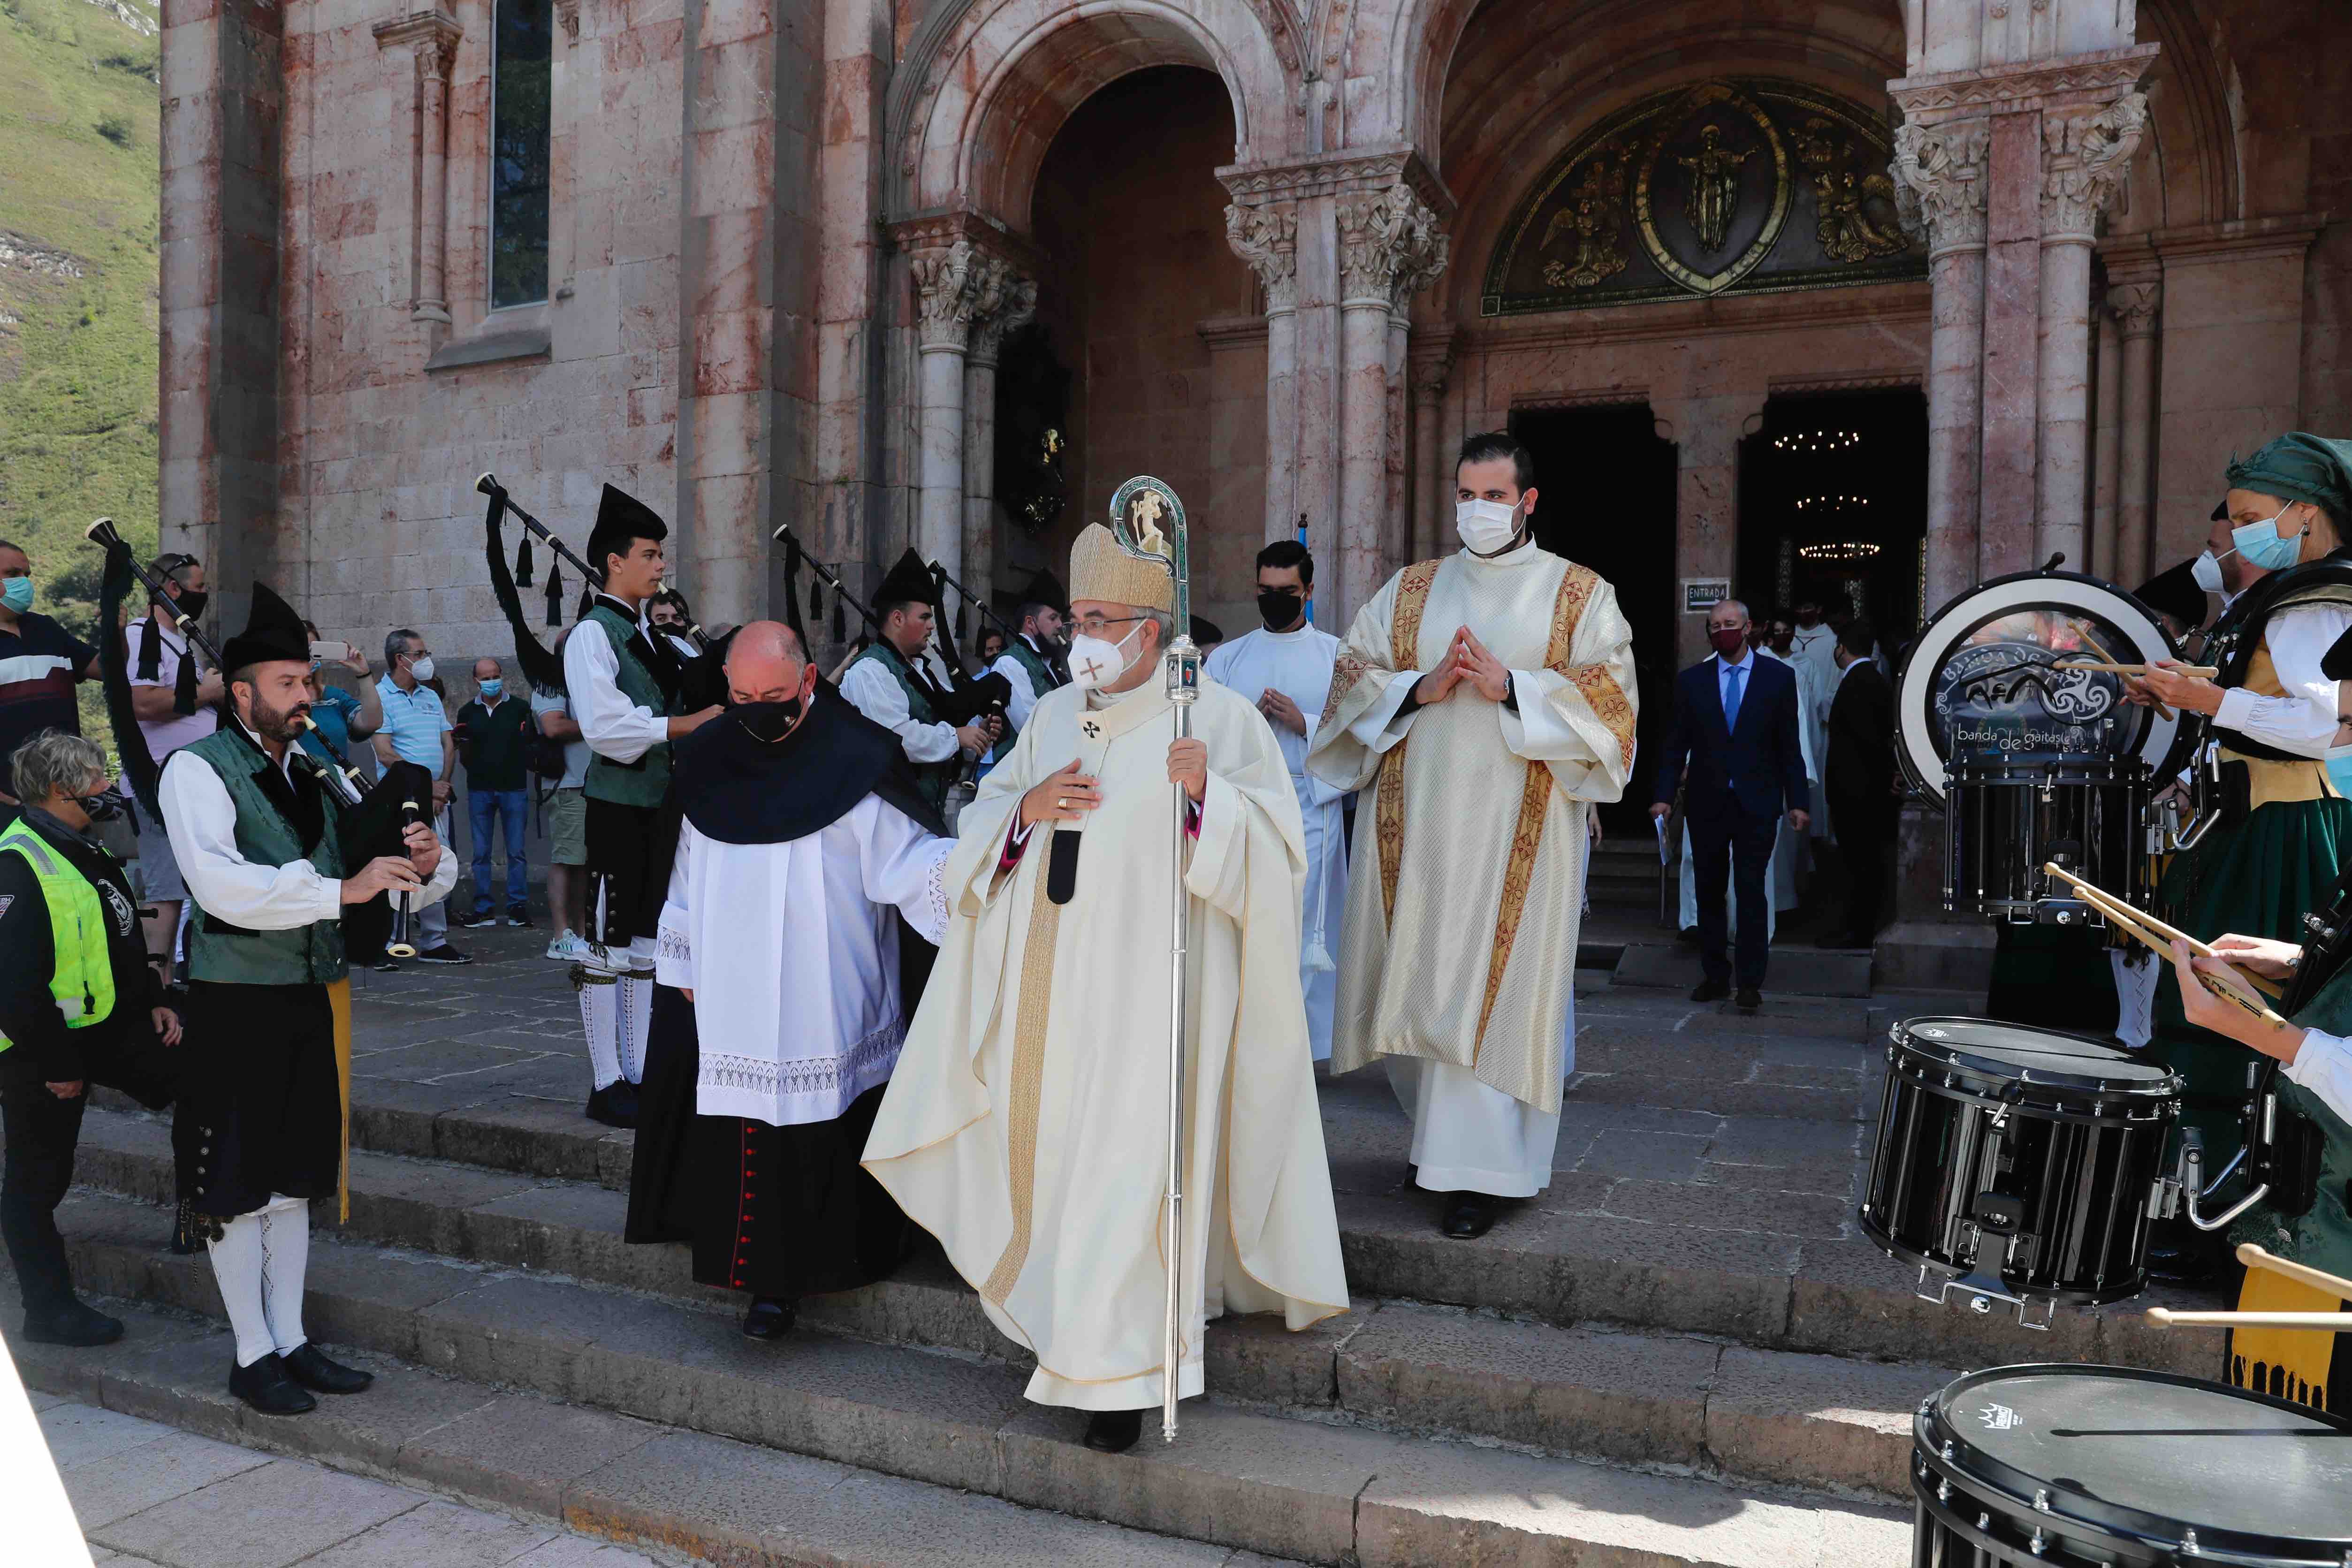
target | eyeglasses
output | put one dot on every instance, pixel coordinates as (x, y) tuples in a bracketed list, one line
[(1095, 626)]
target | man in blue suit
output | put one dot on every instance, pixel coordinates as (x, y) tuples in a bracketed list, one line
[(1735, 730)]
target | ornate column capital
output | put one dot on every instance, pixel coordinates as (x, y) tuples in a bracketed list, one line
[(1939, 181), (1390, 246), (1268, 238), (2133, 306), (432, 37), (1003, 306), (2085, 153), (567, 14), (944, 296)]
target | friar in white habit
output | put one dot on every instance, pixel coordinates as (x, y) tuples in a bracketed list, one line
[(1485, 698), (807, 840), (1286, 669), (1027, 1124)]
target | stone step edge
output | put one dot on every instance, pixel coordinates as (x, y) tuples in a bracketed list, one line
[(1732, 1431), (1260, 1481), (148, 1379), (1866, 1321)]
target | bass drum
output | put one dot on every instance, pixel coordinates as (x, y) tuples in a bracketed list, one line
[(2079, 1465), (2018, 1164)]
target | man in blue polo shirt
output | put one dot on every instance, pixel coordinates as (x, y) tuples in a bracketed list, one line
[(416, 729)]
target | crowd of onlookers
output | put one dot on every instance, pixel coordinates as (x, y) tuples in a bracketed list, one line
[(516, 749)]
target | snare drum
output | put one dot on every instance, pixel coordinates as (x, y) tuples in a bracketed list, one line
[(2018, 1164), (2008, 815), (2079, 1465)]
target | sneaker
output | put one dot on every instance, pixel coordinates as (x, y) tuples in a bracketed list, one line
[(386, 966), (444, 953), (568, 948), (517, 920)]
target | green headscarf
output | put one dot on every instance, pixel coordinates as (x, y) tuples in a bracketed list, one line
[(2301, 467)]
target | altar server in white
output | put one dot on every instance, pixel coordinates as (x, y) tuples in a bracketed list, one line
[(1027, 1124), (1286, 669)]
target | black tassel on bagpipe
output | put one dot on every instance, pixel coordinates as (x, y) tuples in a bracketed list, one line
[(555, 593), (960, 625), (522, 561)]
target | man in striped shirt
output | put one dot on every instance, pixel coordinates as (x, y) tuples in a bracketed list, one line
[(39, 663)]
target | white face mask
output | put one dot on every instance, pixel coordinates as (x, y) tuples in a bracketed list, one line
[(1096, 663), (1485, 526), (2206, 571), (422, 669)]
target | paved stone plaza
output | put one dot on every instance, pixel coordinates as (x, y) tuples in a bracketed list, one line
[(1680, 1352)]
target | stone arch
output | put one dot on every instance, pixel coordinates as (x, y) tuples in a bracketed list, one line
[(992, 80), (2192, 173)]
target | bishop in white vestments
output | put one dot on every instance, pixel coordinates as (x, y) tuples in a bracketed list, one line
[(1484, 700), (806, 842), (1286, 669), (1027, 1125)]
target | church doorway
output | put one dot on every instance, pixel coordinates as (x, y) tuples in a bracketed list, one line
[(1605, 482), (1833, 510)]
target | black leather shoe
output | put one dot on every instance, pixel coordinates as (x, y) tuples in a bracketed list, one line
[(1468, 1217), (266, 1387), (1749, 999), (1114, 1431), (314, 1372), (1711, 990), (615, 1104), (770, 1319), (75, 1323), (1687, 936)]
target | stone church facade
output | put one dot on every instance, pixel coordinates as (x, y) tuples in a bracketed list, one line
[(843, 264)]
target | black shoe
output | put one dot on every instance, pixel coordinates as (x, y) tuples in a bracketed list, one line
[(75, 1323), (476, 920), (1687, 936), (266, 1387), (615, 1104), (518, 919), (770, 1318), (1749, 999), (1468, 1217), (1711, 990), (1114, 1431), (386, 966), (444, 953), (314, 1372)]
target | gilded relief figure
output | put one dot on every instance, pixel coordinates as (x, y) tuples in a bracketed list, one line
[(1858, 218), (1593, 213), (1714, 191)]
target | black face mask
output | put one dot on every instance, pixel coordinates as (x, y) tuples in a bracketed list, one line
[(101, 807), (768, 722), (190, 603), (1278, 608)]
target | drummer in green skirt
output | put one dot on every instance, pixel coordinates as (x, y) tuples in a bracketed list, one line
[(2275, 553)]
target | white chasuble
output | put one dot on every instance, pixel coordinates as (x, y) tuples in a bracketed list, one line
[(1465, 900), (1298, 665), (792, 953), (1027, 1125)]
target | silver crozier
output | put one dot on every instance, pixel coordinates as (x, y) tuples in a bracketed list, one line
[(1147, 521)]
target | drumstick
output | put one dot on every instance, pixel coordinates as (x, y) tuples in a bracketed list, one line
[(2159, 936), (2166, 714), (2324, 1322), (2336, 1285), (2199, 671), (2106, 902)]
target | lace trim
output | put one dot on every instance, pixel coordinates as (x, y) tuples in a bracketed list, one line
[(935, 896), (802, 1076), (675, 945)]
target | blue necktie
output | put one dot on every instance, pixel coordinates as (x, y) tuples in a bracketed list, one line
[(1732, 673)]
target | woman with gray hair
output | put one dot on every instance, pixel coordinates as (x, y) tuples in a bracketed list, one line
[(78, 1004)]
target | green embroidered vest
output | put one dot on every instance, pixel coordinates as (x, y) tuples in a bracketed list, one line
[(931, 778), (233, 955), (646, 780)]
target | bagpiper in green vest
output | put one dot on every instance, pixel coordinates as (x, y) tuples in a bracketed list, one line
[(931, 778), (1042, 677), (234, 956), (83, 980), (646, 781)]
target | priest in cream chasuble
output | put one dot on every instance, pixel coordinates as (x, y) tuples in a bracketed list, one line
[(1027, 1124), (1484, 700)]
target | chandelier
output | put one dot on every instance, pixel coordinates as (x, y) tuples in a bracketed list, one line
[(1817, 441), (1838, 551)]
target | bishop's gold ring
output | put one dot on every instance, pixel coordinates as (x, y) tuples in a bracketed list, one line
[(1062, 803)]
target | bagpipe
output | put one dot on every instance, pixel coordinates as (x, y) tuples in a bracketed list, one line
[(373, 818), (964, 700)]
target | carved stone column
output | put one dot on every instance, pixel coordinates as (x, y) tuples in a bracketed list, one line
[(431, 38), (2135, 305), (945, 279), (2086, 150), (1390, 246), (1006, 303), (1268, 238), (1941, 169), (1432, 484)]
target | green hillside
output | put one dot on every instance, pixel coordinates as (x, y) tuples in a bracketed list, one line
[(78, 183)]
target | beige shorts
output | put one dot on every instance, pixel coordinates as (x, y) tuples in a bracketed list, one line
[(567, 827)]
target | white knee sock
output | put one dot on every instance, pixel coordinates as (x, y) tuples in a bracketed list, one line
[(259, 1262), (600, 1020), (637, 1008)]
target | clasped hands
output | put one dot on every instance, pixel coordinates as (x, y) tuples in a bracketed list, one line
[(1065, 794), (1467, 661)]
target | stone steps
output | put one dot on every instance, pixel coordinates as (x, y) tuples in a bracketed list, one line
[(1300, 1485), (1825, 1295), (636, 1482)]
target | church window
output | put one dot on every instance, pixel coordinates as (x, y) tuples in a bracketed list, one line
[(518, 160)]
